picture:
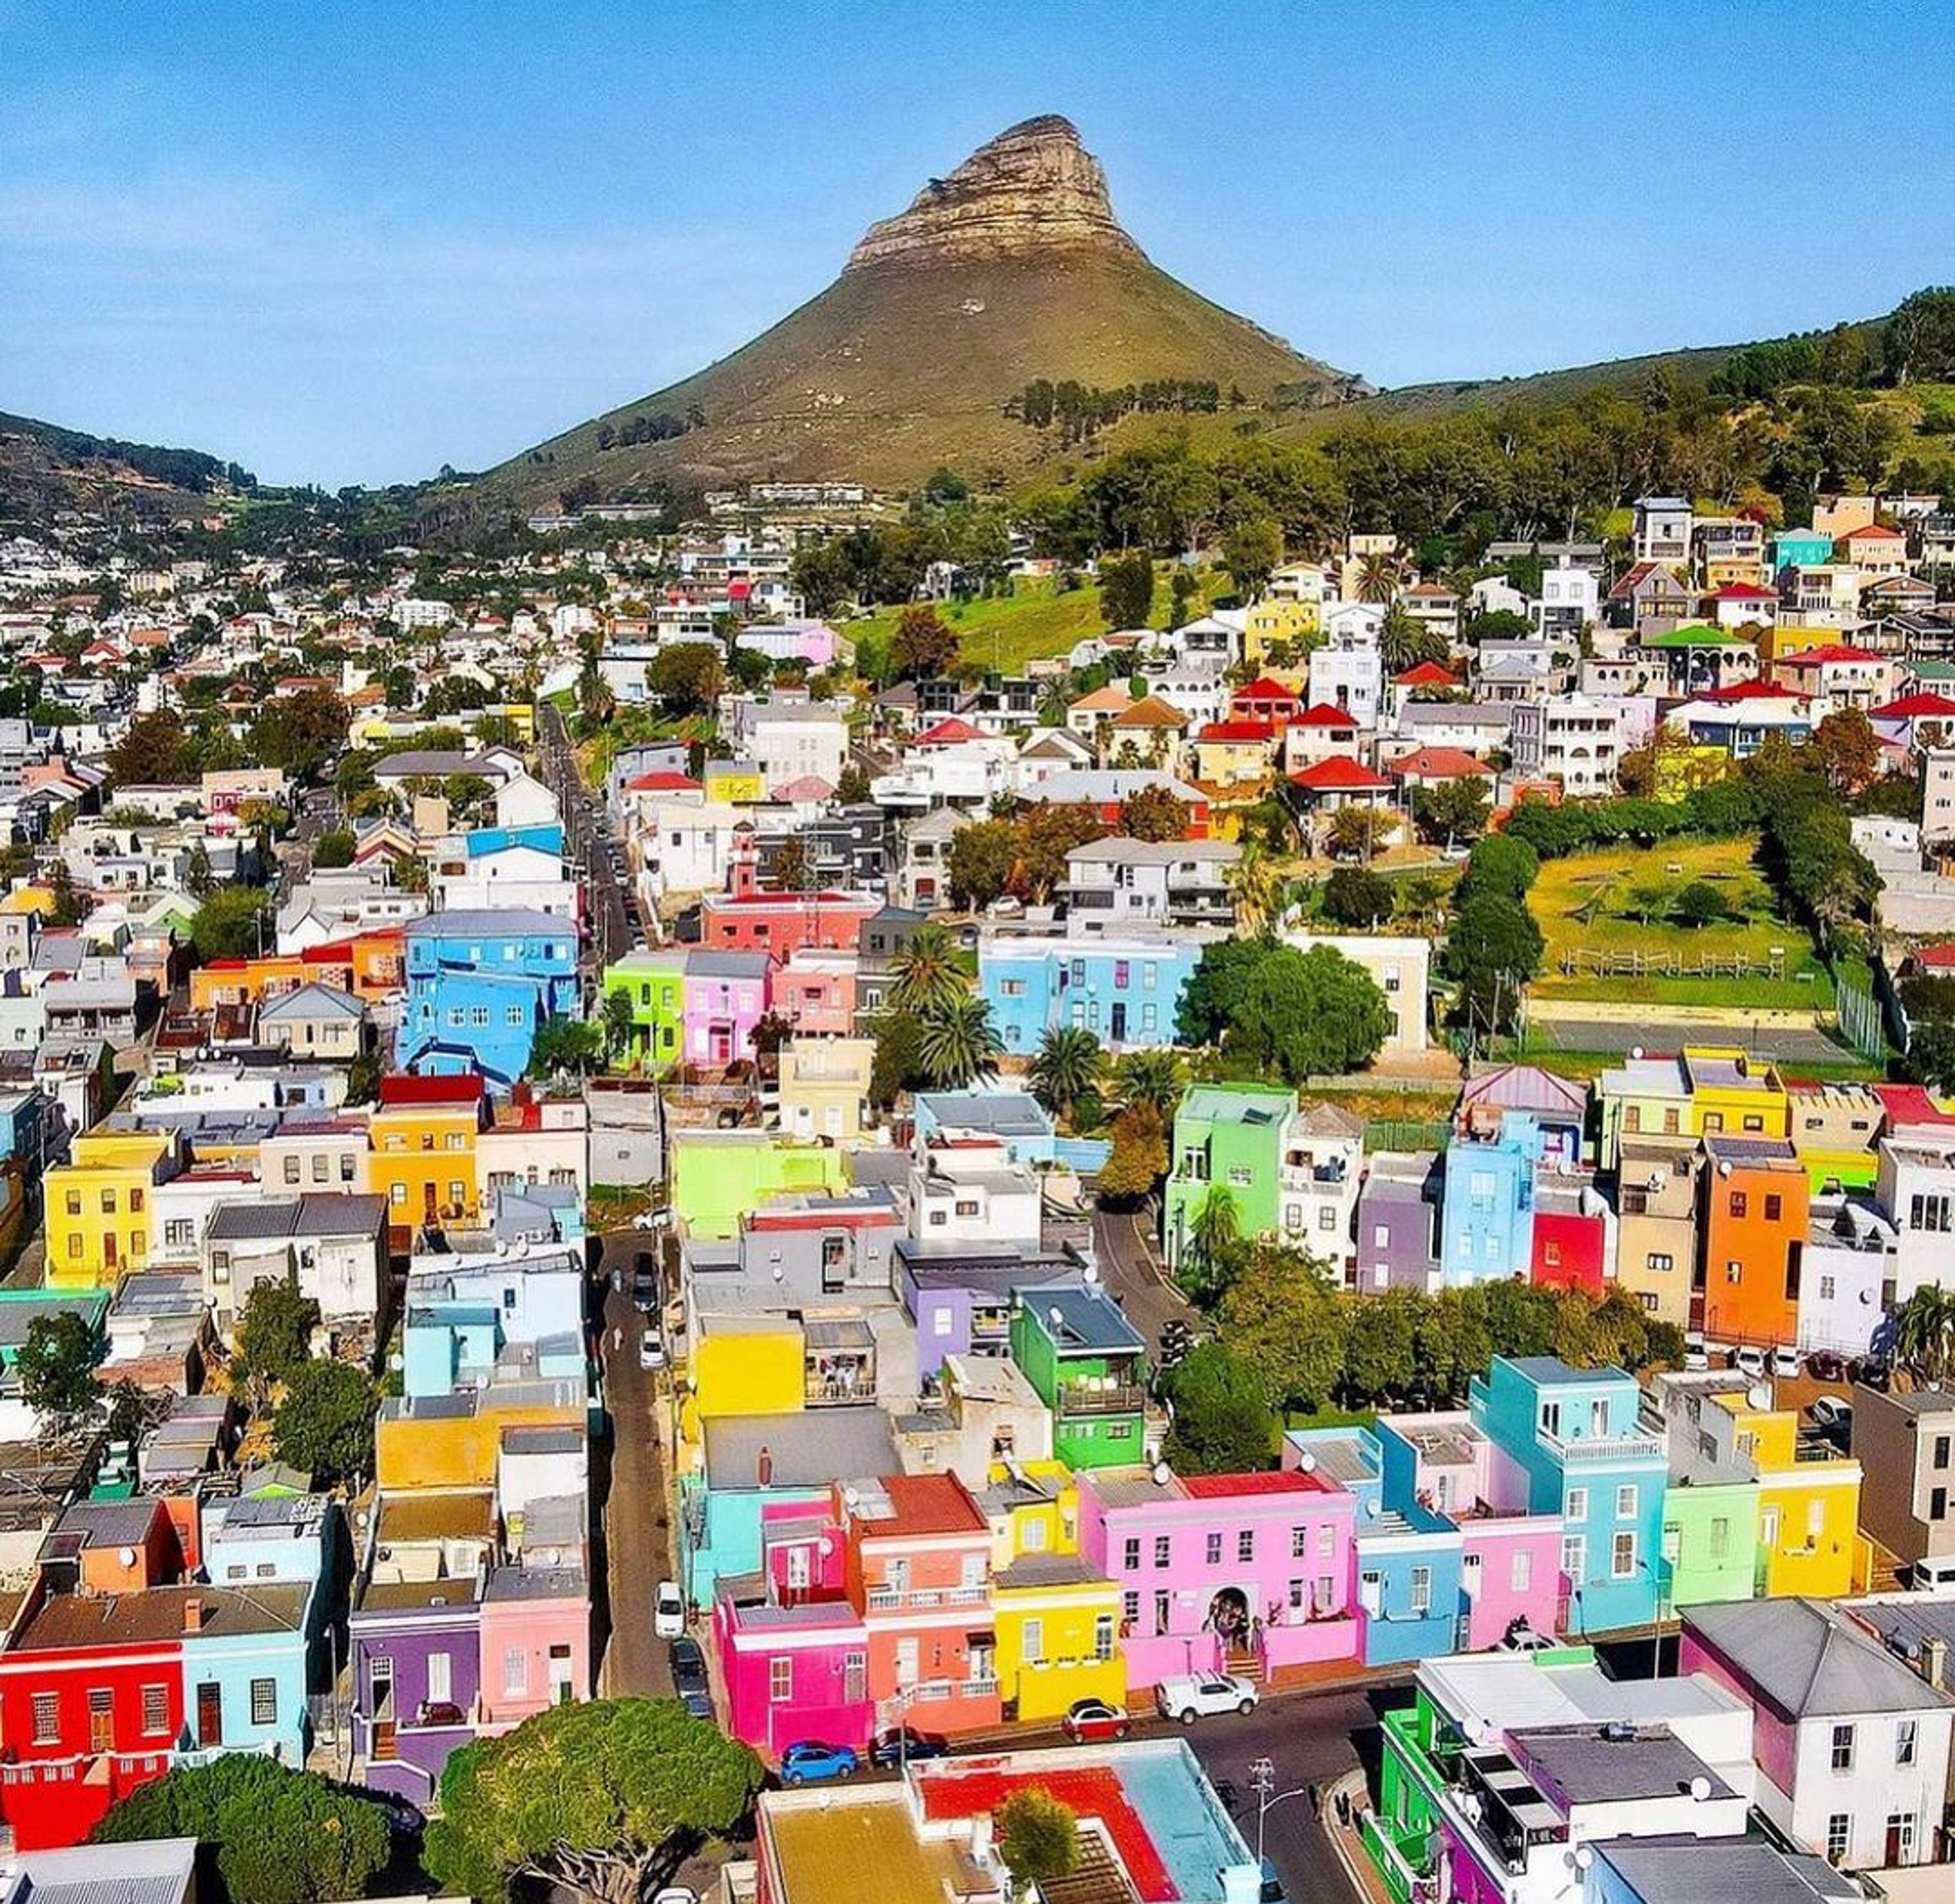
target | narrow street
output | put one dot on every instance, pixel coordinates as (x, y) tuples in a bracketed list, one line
[(1130, 1266), (637, 1539), (587, 841)]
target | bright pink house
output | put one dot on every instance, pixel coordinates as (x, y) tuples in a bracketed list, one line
[(815, 992), (724, 996), (535, 1626), (1250, 1572)]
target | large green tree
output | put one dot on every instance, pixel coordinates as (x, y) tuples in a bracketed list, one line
[(1127, 589), (324, 1425), (1068, 1066), (1494, 949), (55, 1368), (234, 923), (1310, 1014), (928, 972), (1222, 1425), (604, 1800), (959, 1045), (273, 1336)]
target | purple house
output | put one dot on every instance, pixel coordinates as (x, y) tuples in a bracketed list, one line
[(960, 1298), (416, 1649), (1396, 1210)]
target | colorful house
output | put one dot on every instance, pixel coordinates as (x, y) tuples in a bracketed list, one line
[(1752, 1221), (1228, 1143), (1247, 1573), (1127, 991), (725, 996), (1486, 1210), (415, 1649), (1087, 1362), (1570, 1442), (1056, 1621), (422, 1134), (653, 981), (101, 1219), (718, 1177), (481, 983)]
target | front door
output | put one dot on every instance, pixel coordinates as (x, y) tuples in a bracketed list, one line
[(427, 1203), (210, 1714), (1117, 1026), (101, 1719), (109, 1250)]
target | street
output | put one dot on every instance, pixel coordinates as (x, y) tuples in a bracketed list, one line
[(587, 840), (1130, 1266), (636, 1540)]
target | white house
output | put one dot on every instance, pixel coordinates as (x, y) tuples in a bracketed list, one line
[(1570, 738), (1348, 671)]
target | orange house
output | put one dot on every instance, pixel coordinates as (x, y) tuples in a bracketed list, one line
[(422, 1136), (1751, 1227), (370, 965)]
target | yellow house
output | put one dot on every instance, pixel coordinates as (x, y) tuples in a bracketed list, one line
[(99, 1216), (1679, 767), (455, 1441), (1058, 1627), (422, 1160), (1033, 1511), (735, 783), (1786, 639), (1809, 1511), (747, 1365), (825, 1086), (1225, 754), (1734, 1094), (1274, 621)]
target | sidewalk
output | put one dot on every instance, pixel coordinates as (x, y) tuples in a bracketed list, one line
[(1347, 1841)]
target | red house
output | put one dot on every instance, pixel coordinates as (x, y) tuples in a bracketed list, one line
[(1266, 700), (1570, 1238)]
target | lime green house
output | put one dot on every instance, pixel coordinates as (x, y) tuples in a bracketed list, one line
[(654, 981), (1710, 1539), (719, 1176), (1072, 1342), (1228, 1141)]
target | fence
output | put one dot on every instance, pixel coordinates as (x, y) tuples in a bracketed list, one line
[(1862, 1023), (1406, 1133), (1579, 962)]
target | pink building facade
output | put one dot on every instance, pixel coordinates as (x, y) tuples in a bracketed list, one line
[(725, 996), (815, 992), (536, 1643), (1248, 1572)]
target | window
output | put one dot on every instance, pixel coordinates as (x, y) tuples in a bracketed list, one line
[(1774, 1208), (1421, 1590), (1940, 1452), (1739, 1203), (440, 1677), (1931, 1213), (1327, 1537), (291, 1169), (1720, 1538), (47, 1718), (1843, 1748), (1130, 1555), (1838, 1835), (265, 1699), (1163, 1549), (1626, 1503), (1661, 1261), (156, 1709), (1246, 1545), (1577, 1504), (1130, 1608), (1102, 1638), (1905, 1735), (1214, 1549), (1574, 1556), (515, 1672), (780, 1678), (1826, 1289), (1031, 1645), (1937, 1504), (1622, 1561), (1161, 1607), (1550, 1418), (1734, 1271), (1520, 1575)]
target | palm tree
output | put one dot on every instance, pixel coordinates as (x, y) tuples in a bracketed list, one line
[(1152, 1078), (619, 1021), (1216, 1226), (1067, 1068), (1258, 888), (1404, 641), (928, 973), (959, 1044), (1924, 1333), (1377, 578)]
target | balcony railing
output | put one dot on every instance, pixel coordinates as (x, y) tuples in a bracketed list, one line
[(1609, 1447), (1122, 1398), (883, 1600)]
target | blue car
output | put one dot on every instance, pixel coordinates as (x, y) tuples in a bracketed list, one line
[(812, 1761)]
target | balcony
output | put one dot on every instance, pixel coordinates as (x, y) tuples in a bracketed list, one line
[(1613, 1447), (1108, 1398), (887, 1599)]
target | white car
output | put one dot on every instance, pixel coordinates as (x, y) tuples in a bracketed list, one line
[(1521, 1638), (1785, 1363), (669, 1612), (1829, 1412), (1749, 1361), (1695, 1355), (651, 1350), (1187, 1700)]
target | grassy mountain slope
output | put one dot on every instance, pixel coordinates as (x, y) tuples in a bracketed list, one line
[(44, 467)]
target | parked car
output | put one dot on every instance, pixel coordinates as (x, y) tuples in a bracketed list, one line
[(1094, 1719), (1272, 1891), (1748, 1361), (1521, 1638), (1935, 1575), (1188, 1699), (651, 1350), (669, 1612), (1695, 1355), (1830, 1412), (1785, 1363), (901, 1744), (676, 1894), (811, 1762), (1873, 1370), (689, 1679), (1826, 1365)]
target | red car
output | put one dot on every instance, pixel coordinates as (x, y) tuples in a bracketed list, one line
[(1091, 1719)]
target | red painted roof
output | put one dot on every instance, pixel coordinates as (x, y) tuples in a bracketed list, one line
[(1325, 715), (1814, 657), (1339, 775), (927, 1504), (1266, 690), (1087, 1791), (1935, 957), (1428, 674), (662, 783), (1749, 690), (1439, 763), (1878, 530), (1273, 1480), (1263, 731), (1910, 1104), (404, 1088), (947, 734), (1745, 592), (1914, 707)]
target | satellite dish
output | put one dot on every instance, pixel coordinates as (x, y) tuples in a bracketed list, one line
[(1055, 1316), (1585, 1855), (1724, 1167), (1635, 1051), (127, 1556), (1163, 1474), (1307, 1463)]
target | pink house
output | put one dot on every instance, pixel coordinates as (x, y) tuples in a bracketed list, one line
[(815, 992), (725, 995), (1248, 1572), (535, 1625)]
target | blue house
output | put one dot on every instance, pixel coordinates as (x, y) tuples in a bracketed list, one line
[(1575, 1435), (1797, 549), (479, 985), (1126, 991), (461, 1315), (1486, 1218), (1015, 1118)]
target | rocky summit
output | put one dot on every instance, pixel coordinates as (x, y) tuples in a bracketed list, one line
[(1033, 188)]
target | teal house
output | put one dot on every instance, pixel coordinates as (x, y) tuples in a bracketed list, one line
[(1797, 549), (1087, 1363)]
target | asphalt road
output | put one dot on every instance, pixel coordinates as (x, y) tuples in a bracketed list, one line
[(1129, 1258), (587, 841), (637, 1540), (1782, 1044)]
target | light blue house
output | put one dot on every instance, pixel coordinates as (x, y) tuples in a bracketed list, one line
[(252, 1656), (1797, 549), (479, 985), (1126, 991), (274, 1537), (463, 1315), (1015, 1118), (1486, 1218), (1574, 1434)]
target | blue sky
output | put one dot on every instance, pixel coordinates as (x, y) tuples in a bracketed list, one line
[(348, 242)]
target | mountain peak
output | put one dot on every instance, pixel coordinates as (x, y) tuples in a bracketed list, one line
[(1034, 188)]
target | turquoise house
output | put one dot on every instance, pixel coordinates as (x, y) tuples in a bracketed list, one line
[(247, 1683), (1797, 549)]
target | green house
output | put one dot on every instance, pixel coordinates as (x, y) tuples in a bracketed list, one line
[(655, 983), (719, 1176), (1710, 1541), (1087, 1361), (1228, 1141)]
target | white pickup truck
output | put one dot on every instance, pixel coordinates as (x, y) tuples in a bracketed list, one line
[(1187, 1700)]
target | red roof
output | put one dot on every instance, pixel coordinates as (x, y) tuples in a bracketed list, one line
[(947, 734), (1749, 690), (1266, 690), (1910, 1104), (1878, 530), (927, 1504), (1428, 674), (1340, 775), (1439, 763), (1745, 592), (1914, 707), (1238, 730), (1808, 657), (665, 782), (405, 1088), (1938, 959), (1268, 1480), (1325, 715), (1087, 1791)]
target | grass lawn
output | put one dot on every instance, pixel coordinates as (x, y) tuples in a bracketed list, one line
[(1595, 903)]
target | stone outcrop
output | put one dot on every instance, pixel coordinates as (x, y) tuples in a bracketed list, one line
[(1034, 188)]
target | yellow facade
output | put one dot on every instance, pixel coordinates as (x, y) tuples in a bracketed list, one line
[(1022, 1528), (733, 784), (1759, 1108), (1809, 1511), (825, 1087), (1271, 621), (423, 1162), (1790, 638), (428, 1451), (1680, 767), (1221, 764), (760, 1369), (100, 1218), (1058, 1643)]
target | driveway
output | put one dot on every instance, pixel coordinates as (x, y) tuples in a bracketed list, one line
[(1128, 1253)]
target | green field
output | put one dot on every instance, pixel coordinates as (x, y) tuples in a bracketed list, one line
[(1621, 904)]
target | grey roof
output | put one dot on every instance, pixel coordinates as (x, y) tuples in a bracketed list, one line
[(528, 921), (1750, 1149), (313, 1002), (156, 1871), (1593, 1765), (727, 965), (1118, 849), (1681, 1869), (109, 1524), (1006, 1113), (1046, 1570), (20, 1314), (317, 1214), (1423, 713), (1552, 1368), (1083, 1319), (1810, 1660), (808, 1450)]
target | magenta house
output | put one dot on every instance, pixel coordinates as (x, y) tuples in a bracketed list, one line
[(1248, 1573), (416, 1648)]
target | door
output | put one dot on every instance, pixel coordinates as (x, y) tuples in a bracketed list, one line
[(380, 1687), (210, 1714), (101, 1719), (427, 1203), (907, 1660), (1117, 1025), (109, 1250)]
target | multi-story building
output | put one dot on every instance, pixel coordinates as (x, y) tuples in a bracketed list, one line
[(1916, 1189), (1656, 1213), (1486, 1208), (1661, 531), (1753, 1206), (1087, 1363), (1126, 990), (1400, 966), (1229, 1144), (1571, 739), (1115, 885), (480, 986), (423, 1134), (1348, 672), (1905, 1444), (100, 1217)]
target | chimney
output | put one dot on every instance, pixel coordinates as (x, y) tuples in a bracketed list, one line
[(763, 1466), (1934, 1664), (192, 1614)]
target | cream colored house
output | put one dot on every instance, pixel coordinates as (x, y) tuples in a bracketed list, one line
[(825, 1087)]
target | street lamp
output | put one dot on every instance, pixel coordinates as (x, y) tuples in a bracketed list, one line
[(1262, 1783)]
